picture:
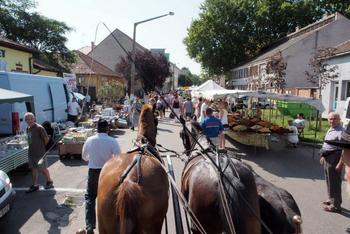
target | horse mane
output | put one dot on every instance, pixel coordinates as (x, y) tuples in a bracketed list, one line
[(147, 129)]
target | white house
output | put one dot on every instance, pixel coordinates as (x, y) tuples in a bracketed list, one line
[(296, 48), (336, 92)]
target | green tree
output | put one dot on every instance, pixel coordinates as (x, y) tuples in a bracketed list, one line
[(276, 72), (229, 32), (20, 23), (321, 72), (151, 69)]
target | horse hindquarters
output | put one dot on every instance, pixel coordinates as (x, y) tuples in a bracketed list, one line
[(128, 202)]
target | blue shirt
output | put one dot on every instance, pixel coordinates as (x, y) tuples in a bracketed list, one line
[(212, 126)]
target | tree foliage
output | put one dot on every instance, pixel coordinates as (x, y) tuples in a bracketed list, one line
[(321, 71), (110, 91), (151, 69), (20, 23), (186, 78), (276, 72), (229, 32)]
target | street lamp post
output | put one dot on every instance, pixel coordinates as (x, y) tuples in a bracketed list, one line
[(133, 54)]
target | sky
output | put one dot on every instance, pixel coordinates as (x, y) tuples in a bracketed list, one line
[(167, 32)]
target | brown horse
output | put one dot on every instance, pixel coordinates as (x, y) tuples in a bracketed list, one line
[(134, 199), (200, 186)]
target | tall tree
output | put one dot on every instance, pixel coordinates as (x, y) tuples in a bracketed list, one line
[(151, 69), (321, 71), (276, 72), (229, 32), (20, 23)]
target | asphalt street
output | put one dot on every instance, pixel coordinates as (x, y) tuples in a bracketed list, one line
[(61, 210)]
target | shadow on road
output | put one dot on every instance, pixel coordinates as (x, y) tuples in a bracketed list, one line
[(164, 130), (287, 162), (76, 162), (116, 132), (55, 215)]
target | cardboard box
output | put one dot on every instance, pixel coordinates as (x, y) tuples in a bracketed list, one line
[(64, 149)]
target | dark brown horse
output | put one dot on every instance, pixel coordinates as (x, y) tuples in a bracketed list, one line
[(200, 186), (137, 203), (278, 209)]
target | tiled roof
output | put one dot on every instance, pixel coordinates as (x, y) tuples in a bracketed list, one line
[(343, 48), (43, 66), (86, 65), (14, 45)]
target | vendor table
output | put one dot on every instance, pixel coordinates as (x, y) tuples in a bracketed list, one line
[(14, 159), (251, 138)]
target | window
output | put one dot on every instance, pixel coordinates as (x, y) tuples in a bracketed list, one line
[(262, 72), (2, 53), (345, 89)]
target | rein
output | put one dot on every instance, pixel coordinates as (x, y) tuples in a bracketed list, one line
[(145, 148)]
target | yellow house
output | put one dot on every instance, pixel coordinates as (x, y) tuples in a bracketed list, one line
[(104, 84), (15, 57)]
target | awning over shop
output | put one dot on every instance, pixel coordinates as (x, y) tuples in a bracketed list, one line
[(9, 96)]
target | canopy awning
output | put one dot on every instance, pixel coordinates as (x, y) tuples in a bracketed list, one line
[(215, 94), (9, 96)]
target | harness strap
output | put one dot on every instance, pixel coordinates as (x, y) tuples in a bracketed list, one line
[(128, 169)]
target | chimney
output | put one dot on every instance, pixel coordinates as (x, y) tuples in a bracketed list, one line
[(92, 45), (297, 28)]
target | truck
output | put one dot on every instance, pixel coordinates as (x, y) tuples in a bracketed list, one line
[(51, 96)]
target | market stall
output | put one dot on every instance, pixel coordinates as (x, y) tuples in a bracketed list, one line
[(247, 128), (14, 149), (72, 142)]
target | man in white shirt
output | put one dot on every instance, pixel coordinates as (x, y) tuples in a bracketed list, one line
[(73, 110), (203, 110), (299, 122), (98, 149), (88, 100), (293, 138)]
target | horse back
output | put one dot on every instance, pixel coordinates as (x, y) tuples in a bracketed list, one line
[(137, 204)]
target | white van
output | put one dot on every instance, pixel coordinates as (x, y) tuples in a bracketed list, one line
[(50, 100)]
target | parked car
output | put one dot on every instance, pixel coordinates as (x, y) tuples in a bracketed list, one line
[(7, 194), (242, 102)]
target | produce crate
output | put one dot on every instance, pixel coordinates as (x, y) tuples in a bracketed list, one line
[(74, 149)]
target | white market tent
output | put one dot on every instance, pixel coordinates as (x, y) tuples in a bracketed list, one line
[(9, 96), (215, 94), (206, 86)]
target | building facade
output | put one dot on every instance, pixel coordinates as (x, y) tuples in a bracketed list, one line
[(108, 52), (296, 49), (103, 84), (336, 92), (15, 57)]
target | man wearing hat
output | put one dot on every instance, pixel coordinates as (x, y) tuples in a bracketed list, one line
[(97, 149), (331, 161), (344, 143)]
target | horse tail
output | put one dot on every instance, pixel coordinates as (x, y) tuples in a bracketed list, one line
[(127, 204), (297, 220)]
